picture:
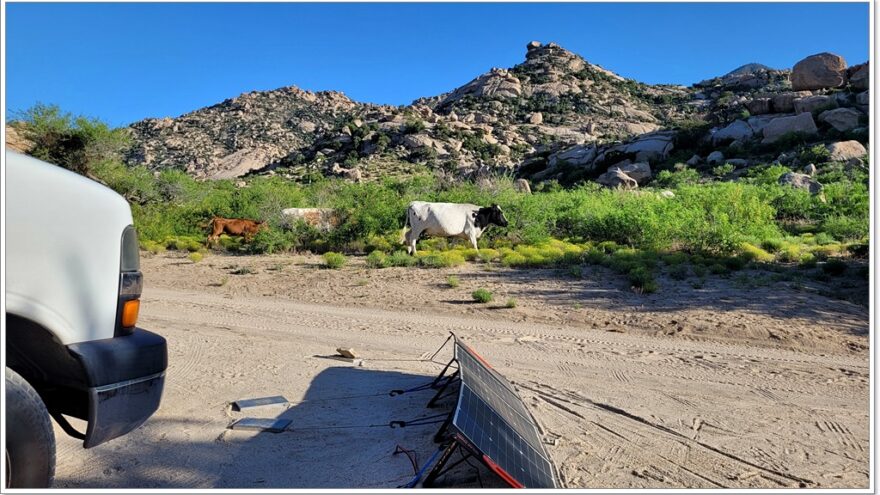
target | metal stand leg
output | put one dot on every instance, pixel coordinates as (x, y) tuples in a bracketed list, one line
[(440, 436), (453, 377), (441, 468)]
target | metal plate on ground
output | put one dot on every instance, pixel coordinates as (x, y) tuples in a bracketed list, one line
[(272, 425), (243, 404), (492, 416)]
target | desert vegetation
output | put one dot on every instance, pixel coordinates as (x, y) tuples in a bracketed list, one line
[(707, 224)]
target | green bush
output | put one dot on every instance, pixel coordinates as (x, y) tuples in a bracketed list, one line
[(834, 267), (755, 253), (642, 280), (708, 218), (401, 258), (718, 269), (452, 281), (195, 257), (73, 142), (510, 304), (334, 261), (482, 296), (678, 272), (377, 259)]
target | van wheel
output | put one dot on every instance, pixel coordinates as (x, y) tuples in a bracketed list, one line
[(30, 439)]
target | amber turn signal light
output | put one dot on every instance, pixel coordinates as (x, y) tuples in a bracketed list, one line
[(130, 312)]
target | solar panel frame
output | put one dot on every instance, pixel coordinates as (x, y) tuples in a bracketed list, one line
[(496, 423)]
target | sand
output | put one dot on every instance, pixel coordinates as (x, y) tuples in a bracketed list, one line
[(735, 384)]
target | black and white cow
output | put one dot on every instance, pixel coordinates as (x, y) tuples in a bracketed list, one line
[(449, 220)]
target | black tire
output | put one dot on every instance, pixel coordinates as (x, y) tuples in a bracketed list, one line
[(30, 439)]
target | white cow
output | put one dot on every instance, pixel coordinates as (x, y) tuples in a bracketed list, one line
[(449, 220)]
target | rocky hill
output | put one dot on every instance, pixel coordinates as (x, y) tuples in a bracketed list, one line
[(553, 116)]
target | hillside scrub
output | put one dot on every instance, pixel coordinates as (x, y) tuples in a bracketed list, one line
[(753, 216), (714, 217)]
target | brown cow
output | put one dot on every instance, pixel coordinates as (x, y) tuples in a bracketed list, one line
[(234, 226)]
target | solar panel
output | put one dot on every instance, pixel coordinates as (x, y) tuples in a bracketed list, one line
[(494, 419)]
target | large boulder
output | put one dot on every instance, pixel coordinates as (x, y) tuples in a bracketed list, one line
[(353, 174), (758, 106), (652, 146), (640, 171), (419, 141), (784, 102), (495, 83), (801, 123), (240, 163), (820, 71), (759, 122), (736, 130), (17, 141), (842, 119), (801, 181), (859, 76), (811, 103), (616, 178), (845, 150), (579, 156), (715, 158), (522, 186)]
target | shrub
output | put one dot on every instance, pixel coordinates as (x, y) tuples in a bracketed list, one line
[(773, 245), (834, 267), (482, 296), (334, 261), (413, 126), (378, 243), (700, 270), (755, 253), (789, 253), (377, 259), (271, 240), (401, 258), (718, 269), (815, 154), (73, 142), (195, 257), (642, 280), (846, 228), (488, 255), (735, 263), (722, 170), (442, 259), (666, 178), (452, 281), (510, 304), (678, 272), (808, 261)]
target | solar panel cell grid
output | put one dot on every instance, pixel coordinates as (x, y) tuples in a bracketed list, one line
[(493, 417)]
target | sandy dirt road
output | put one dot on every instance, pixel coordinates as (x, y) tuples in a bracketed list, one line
[(626, 410)]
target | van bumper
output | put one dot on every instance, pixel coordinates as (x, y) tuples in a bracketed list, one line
[(125, 378)]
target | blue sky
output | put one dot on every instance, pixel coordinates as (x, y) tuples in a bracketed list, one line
[(125, 62)]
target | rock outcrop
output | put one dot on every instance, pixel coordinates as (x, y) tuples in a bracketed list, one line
[(845, 150), (802, 123), (555, 116), (820, 71)]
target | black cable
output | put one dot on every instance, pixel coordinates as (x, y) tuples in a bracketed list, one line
[(411, 455)]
